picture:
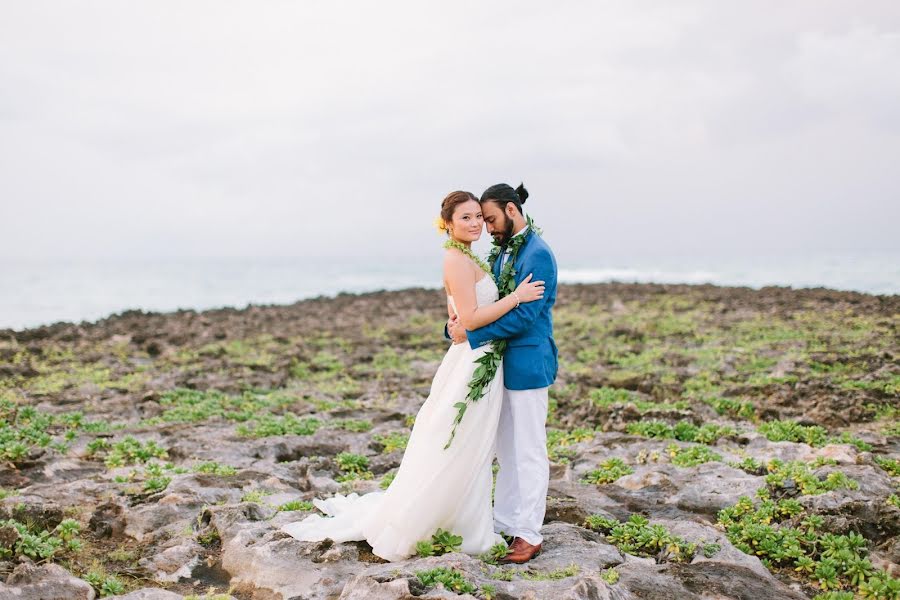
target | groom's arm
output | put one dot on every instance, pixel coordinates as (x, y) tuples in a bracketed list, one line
[(522, 318)]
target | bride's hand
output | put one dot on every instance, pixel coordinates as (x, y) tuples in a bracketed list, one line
[(529, 291)]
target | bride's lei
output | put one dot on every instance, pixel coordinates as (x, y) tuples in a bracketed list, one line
[(489, 362)]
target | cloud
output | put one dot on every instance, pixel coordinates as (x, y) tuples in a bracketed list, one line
[(210, 128)]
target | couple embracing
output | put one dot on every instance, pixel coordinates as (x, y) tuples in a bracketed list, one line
[(488, 398)]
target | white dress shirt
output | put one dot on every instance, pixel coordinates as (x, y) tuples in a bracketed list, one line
[(507, 251)]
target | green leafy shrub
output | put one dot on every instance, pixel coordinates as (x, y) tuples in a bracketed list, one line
[(33, 543), (552, 575), (600, 523), (40, 544), (638, 537), (106, 585), (846, 437), (390, 442), (354, 425), (190, 406), (215, 468), (782, 535), (255, 496), (730, 406), (891, 465), (610, 576), (297, 505), (287, 424), (651, 428), (791, 431), (156, 484), (23, 428), (608, 471), (451, 579), (112, 586), (352, 466), (387, 480), (424, 549), (783, 474), (559, 442), (684, 431), (352, 463), (888, 387), (880, 586), (495, 553), (691, 456), (129, 451), (445, 542), (507, 574), (608, 396), (750, 465), (834, 596), (441, 542), (155, 477)]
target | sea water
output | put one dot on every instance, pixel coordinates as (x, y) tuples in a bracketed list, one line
[(38, 292)]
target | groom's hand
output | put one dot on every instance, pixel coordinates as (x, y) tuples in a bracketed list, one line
[(456, 330)]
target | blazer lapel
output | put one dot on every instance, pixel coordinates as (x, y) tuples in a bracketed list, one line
[(496, 267), (521, 253)]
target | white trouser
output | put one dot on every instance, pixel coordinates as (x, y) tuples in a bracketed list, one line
[(520, 498)]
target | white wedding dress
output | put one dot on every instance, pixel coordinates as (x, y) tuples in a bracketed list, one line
[(434, 488)]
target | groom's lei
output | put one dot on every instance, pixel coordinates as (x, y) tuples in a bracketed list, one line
[(489, 362)]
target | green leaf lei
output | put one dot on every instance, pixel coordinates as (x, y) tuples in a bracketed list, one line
[(468, 252), (489, 362)]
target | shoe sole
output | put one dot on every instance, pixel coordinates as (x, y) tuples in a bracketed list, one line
[(516, 562)]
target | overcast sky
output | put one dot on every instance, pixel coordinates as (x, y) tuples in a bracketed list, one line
[(221, 128)]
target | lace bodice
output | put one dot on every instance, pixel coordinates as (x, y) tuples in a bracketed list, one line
[(485, 293)]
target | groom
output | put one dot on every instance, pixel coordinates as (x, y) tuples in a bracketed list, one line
[(529, 368)]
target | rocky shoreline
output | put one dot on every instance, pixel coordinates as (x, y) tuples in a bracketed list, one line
[(707, 442)]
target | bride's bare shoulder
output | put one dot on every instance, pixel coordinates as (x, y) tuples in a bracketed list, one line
[(457, 264), (453, 257)]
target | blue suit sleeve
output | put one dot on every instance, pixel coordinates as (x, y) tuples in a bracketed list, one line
[(520, 319)]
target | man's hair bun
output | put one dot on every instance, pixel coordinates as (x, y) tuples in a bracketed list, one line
[(522, 193), (503, 194)]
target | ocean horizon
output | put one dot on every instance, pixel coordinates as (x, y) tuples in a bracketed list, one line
[(40, 292)]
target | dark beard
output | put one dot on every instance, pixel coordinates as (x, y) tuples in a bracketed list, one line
[(504, 238)]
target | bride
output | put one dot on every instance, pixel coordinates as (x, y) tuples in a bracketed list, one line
[(437, 487)]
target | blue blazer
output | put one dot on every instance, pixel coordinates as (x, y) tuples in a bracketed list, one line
[(530, 360)]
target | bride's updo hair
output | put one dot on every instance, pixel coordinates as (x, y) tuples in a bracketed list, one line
[(454, 199), (503, 194)]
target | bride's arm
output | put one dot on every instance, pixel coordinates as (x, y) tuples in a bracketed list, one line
[(461, 278)]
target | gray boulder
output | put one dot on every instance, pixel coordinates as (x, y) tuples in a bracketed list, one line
[(45, 582)]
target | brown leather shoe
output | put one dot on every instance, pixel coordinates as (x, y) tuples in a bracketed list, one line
[(521, 552)]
